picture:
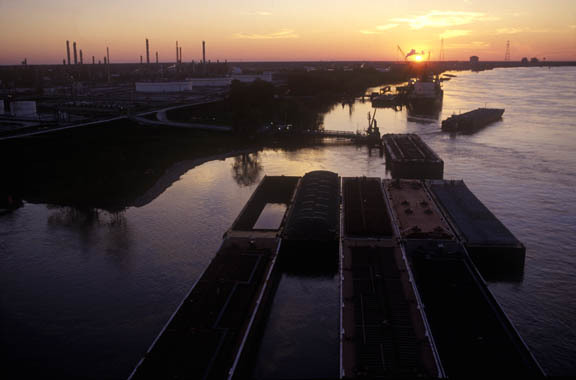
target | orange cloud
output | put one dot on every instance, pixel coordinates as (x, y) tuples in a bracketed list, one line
[(283, 34), (442, 19)]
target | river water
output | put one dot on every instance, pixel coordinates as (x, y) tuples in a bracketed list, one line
[(84, 294)]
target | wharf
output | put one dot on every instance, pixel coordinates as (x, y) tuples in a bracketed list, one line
[(407, 156), (497, 253)]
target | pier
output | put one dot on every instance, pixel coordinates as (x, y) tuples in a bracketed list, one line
[(412, 301)]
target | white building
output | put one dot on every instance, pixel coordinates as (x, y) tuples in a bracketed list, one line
[(190, 84), (24, 108), (163, 86)]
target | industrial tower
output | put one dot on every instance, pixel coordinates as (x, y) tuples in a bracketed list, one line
[(507, 54), (442, 56)]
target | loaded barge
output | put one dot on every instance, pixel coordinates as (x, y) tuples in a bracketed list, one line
[(412, 301), (407, 156), (385, 332), (472, 120)]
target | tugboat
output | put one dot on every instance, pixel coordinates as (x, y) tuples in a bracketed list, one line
[(384, 98), (472, 120)]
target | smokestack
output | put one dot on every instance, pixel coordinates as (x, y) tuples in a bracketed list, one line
[(64, 61), (140, 59), (147, 52), (180, 54), (204, 52), (177, 52), (93, 60), (68, 50), (156, 57), (75, 54), (81, 57), (108, 62)]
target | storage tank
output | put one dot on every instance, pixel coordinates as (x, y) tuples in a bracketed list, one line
[(24, 108)]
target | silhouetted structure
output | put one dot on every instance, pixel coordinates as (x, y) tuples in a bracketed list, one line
[(204, 52), (147, 52), (68, 50)]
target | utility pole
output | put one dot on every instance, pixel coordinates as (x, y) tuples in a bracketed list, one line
[(507, 54), (442, 56)]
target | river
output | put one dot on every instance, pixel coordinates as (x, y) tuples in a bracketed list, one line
[(83, 294)]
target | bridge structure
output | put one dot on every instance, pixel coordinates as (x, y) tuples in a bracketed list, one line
[(143, 118)]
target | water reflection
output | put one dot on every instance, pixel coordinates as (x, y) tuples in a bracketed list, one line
[(246, 169), (89, 224), (423, 116)]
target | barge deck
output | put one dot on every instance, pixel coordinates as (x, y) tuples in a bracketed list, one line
[(407, 156), (497, 253), (384, 331), (412, 302)]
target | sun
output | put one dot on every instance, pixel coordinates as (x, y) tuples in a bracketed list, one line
[(418, 58)]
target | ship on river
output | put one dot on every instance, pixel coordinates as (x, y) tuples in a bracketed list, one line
[(472, 120), (424, 94)]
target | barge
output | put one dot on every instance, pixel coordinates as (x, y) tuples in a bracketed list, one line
[(415, 212), (407, 254), (407, 156), (425, 94), (472, 120), (474, 337), (384, 332), (497, 253), (311, 233)]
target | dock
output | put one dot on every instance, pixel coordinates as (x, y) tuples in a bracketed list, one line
[(407, 156), (412, 300)]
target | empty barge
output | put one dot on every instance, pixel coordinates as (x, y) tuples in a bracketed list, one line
[(407, 156), (497, 253), (472, 120), (474, 337)]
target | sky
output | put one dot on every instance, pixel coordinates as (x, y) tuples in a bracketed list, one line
[(296, 30)]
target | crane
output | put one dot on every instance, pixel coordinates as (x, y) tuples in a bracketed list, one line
[(401, 52)]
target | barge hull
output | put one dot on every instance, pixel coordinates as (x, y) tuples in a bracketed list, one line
[(495, 250)]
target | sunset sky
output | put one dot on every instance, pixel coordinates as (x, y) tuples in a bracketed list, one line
[(297, 30)]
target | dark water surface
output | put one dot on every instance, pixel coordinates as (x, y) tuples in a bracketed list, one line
[(84, 292)]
